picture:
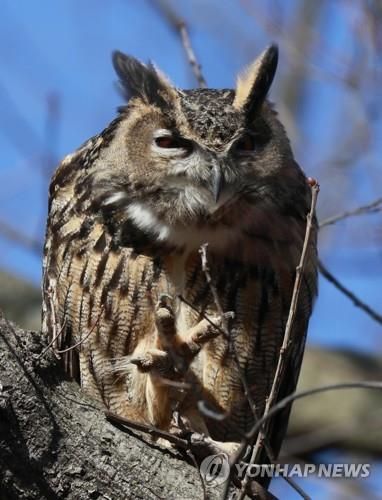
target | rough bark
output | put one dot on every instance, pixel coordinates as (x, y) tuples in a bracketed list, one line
[(325, 420), (55, 443)]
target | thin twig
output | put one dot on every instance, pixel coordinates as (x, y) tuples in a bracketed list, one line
[(51, 292), (86, 336), (283, 403), (195, 66), (179, 25), (287, 334), (215, 295), (225, 328), (225, 333), (334, 434), (52, 342), (373, 207), (148, 429), (356, 301), (221, 416), (20, 238), (292, 483), (202, 314), (196, 465)]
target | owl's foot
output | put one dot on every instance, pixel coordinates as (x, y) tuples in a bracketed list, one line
[(174, 353), (165, 318), (153, 360)]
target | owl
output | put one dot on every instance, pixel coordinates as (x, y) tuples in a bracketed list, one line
[(126, 300)]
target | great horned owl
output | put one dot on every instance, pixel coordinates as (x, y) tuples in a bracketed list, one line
[(123, 281)]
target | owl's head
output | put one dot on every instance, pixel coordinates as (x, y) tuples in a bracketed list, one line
[(196, 159)]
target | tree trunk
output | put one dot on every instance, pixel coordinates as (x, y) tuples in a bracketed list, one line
[(55, 442)]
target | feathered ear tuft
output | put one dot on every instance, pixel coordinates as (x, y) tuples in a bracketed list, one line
[(139, 80), (254, 83)]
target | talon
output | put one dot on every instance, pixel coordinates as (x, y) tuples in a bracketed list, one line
[(143, 363), (219, 319), (163, 301), (229, 314), (153, 360), (164, 318), (207, 333)]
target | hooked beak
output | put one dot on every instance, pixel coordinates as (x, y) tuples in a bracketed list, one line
[(217, 182)]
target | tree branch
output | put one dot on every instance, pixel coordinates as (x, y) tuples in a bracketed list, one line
[(55, 441), (284, 351), (373, 207), (12, 234), (356, 301), (179, 25)]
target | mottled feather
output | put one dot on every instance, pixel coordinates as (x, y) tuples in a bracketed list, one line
[(126, 218)]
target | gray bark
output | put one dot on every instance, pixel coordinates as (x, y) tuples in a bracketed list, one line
[(55, 443), (325, 420)]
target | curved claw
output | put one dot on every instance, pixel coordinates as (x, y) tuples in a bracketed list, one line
[(143, 363), (165, 318), (153, 360), (163, 300)]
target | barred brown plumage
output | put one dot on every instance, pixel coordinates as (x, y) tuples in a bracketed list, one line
[(127, 213)]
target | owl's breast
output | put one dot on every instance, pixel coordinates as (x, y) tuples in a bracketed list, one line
[(257, 287)]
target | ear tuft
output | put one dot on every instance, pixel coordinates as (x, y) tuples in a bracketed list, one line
[(254, 83), (139, 80)]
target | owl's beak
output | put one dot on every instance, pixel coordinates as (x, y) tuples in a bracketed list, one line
[(217, 183)]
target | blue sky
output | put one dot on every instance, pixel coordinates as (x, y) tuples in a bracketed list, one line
[(61, 50)]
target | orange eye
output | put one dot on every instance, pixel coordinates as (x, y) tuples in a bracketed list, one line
[(166, 142), (246, 143)]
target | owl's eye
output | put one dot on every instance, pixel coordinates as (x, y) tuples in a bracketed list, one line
[(168, 142), (246, 144)]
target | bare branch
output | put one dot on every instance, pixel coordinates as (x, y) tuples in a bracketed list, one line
[(51, 292), (195, 66), (16, 236), (356, 301), (283, 403), (179, 25), (54, 339), (215, 295), (297, 488), (373, 207), (333, 434), (148, 429), (193, 443), (287, 334), (204, 316), (82, 340), (225, 328), (213, 414)]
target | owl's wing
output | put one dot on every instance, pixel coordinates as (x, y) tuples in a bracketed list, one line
[(95, 293), (277, 425)]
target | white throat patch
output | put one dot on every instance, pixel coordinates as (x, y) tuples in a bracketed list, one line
[(190, 237), (147, 220)]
